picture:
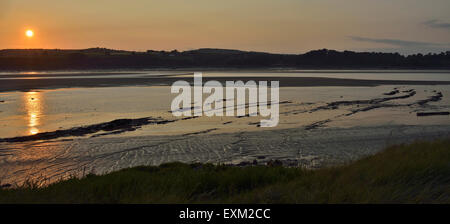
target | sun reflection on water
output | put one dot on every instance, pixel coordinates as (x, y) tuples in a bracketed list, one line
[(33, 106)]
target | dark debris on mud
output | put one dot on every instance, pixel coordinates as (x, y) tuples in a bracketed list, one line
[(367, 105), (113, 127)]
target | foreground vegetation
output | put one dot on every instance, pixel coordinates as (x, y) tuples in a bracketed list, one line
[(416, 173)]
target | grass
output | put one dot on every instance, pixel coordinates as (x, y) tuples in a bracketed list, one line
[(415, 173)]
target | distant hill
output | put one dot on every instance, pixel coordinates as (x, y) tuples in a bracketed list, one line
[(103, 58)]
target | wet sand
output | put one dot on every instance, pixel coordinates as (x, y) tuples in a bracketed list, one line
[(405, 100), (7, 85), (49, 161)]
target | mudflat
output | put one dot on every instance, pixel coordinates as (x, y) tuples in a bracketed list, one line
[(55, 82)]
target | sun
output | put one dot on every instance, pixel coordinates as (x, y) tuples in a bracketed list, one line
[(29, 33)]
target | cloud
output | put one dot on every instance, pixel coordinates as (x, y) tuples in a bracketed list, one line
[(398, 43), (437, 24)]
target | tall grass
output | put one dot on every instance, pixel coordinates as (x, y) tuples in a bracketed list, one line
[(416, 173)]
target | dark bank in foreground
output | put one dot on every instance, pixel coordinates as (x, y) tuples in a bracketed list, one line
[(415, 173)]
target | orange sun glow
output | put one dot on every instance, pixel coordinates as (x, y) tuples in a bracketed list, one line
[(29, 33)]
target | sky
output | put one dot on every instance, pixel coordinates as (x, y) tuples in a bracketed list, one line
[(278, 26)]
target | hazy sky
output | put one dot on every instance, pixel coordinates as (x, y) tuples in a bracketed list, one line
[(288, 26)]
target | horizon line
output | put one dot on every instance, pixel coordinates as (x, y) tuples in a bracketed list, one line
[(226, 49)]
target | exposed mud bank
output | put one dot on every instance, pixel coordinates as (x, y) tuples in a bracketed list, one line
[(113, 127)]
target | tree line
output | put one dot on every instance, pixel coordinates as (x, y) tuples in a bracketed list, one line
[(102, 58)]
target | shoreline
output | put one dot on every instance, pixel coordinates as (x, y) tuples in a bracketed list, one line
[(10, 85), (382, 178), (237, 69), (296, 147)]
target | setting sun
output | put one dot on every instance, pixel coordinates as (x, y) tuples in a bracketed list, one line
[(29, 33)]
